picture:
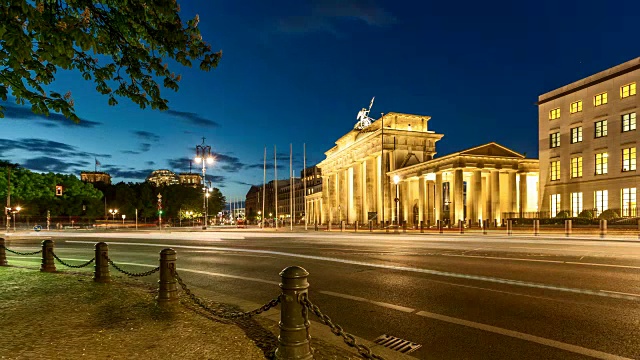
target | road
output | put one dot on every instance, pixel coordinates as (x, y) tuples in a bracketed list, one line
[(459, 296)]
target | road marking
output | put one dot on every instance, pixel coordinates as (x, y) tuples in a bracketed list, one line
[(522, 336), (541, 260), (383, 304), (390, 267), (618, 292)]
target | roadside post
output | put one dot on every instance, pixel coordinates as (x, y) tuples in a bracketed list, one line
[(421, 226), (603, 228), (101, 265), (536, 227), (509, 227), (3, 255), (47, 265), (293, 341), (167, 285), (567, 228)]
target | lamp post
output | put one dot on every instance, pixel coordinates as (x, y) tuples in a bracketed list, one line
[(123, 217), (260, 217), (396, 180), (113, 213), (190, 215), (203, 154), (15, 212)]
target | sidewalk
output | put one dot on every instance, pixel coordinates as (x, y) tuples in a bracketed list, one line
[(66, 315)]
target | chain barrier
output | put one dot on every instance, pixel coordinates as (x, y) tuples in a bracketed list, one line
[(72, 266), (221, 313), (147, 273), (337, 329), (21, 253)]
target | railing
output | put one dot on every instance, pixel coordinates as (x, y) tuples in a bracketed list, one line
[(295, 305)]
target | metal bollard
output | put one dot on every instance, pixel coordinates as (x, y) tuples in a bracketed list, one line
[(536, 227), (329, 226), (101, 265), (316, 227), (3, 255), (47, 264), (342, 225), (567, 227), (421, 226), (293, 341), (638, 229), (386, 225), (167, 285), (355, 226), (509, 227), (461, 226), (404, 226), (485, 223), (603, 228), (370, 225), (440, 226)]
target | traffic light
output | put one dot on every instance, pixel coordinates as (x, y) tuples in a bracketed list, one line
[(58, 190)]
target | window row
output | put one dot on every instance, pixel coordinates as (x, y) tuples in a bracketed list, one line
[(628, 122), (600, 201), (601, 164), (598, 100)]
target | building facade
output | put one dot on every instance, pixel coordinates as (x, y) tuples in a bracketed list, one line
[(190, 179), (95, 176), (588, 142), (163, 177), (387, 171)]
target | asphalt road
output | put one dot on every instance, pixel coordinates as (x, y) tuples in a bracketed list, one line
[(459, 296)]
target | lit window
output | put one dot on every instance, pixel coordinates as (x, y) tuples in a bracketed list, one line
[(600, 99), (628, 122), (576, 107), (627, 90), (554, 140), (601, 163), (602, 201), (629, 202), (554, 114), (555, 204), (576, 134), (555, 170), (629, 159), (601, 128), (576, 204), (576, 167)]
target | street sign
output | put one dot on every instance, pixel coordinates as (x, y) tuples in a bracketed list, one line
[(58, 190), (372, 215)]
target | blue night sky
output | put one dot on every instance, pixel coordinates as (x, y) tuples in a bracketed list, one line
[(299, 71)]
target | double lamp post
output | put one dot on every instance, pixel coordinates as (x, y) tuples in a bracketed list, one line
[(203, 154)]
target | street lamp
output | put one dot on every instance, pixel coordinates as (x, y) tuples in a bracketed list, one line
[(396, 180), (113, 213), (260, 217), (203, 154), (190, 215), (14, 212)]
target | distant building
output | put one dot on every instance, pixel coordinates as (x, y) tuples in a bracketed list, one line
[(190, 179), (163, 177), (95, 176), (588, 142)]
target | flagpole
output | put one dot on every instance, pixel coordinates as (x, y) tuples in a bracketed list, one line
[(304, 172), (264, 186), (382, 167), (275, 175), (291, 185)]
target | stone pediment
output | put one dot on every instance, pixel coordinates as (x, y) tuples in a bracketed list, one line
[(492, 149)]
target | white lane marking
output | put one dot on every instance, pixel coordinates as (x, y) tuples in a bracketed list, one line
[(390, 267), (540, 260), (605, 265), (382, 304), (522, 336), (618, 292)]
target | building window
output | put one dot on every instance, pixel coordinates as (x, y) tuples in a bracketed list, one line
[(602, 163), (576, 204), (576, 134), (554, 114), (555, 170), (555, 204), (576, 167), (629, 159), (576, 107), (601, 201), (629, 202), (554, 140), (601, 128), (600, 99), (627, 90), (628, 122)]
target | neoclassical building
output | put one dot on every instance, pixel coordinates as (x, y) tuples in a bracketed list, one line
[(391, 173)]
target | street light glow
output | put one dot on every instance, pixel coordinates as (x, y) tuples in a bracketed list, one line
[(198, 158), (396, 179), (210, 160), (18, 208)]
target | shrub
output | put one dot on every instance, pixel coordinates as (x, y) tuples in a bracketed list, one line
[(586, 214), (609, 215), (563, 214)]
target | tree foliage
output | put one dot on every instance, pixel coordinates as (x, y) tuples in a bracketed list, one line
[(123, 46)]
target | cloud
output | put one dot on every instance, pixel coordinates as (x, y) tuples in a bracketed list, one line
[(261, 166), (130, 152), (150, 163), (328, 15), (228, 163), (126, 172), (193, 118), (46, 147), (180, 164), (53, 120), (49, 164), (145, 135), (242, 183)]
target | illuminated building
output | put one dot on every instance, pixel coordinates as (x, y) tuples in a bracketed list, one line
[(95, 176), (163, 177)]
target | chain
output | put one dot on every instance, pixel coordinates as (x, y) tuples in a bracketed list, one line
[(221, 313), (133, 274), (337, 329), (72, 266), (21, 253)]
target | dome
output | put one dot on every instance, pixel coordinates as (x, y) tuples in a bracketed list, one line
[(163, 177)]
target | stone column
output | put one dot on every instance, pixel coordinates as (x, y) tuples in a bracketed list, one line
[(351, 195), (513, 195), (437, 196), (363, 192), (474, 192), (422, 193), (495, 195), (523, 194), (379, 185), (457, 196)]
